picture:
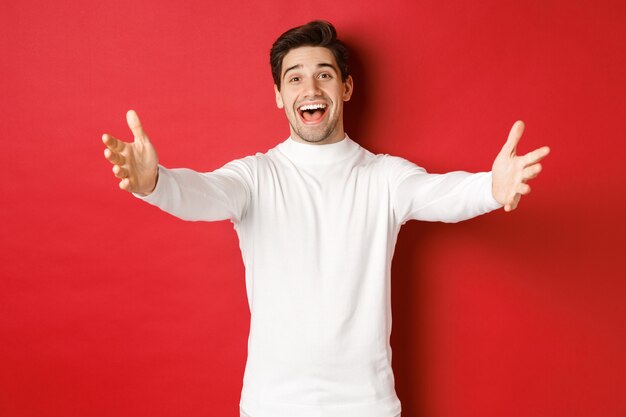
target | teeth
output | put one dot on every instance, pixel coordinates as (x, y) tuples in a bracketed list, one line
[(312, 107)]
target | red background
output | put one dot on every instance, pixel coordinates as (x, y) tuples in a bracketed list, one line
[(109, 307)]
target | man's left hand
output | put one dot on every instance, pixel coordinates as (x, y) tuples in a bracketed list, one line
[(512, 172)]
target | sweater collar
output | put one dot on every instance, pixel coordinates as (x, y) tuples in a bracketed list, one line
[(318, 154)]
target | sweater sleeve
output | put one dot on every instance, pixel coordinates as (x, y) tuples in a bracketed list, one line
[(450, 198), (219, 195)]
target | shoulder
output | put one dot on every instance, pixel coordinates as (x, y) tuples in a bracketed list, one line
[(247, 163), (250, 166), (252, 161), (401, 164), (394, 167)]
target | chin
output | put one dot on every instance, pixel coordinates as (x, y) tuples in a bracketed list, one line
[(319, 133)]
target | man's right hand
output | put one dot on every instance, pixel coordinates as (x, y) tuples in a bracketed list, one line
[(136, 163)]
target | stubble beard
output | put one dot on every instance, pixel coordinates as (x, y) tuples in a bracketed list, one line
[(314, 136)]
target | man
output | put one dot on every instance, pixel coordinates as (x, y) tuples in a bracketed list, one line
[(317, 217)]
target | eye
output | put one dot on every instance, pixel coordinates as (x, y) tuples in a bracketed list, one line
[(325, 75), (294, 79)]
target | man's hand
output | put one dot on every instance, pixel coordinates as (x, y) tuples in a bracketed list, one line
[(511, 172), (134, 163)]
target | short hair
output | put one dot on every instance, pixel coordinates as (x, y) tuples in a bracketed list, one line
[(315, 33)]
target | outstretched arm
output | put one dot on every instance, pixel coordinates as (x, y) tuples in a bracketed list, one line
[(511, 172), (184, 193), (136, 163)]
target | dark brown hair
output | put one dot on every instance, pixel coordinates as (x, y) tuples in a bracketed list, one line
[(316, 33)]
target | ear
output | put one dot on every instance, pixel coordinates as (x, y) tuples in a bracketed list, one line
[(279, 98), (348, 88)]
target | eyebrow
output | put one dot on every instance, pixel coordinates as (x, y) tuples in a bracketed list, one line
[(320, 65)]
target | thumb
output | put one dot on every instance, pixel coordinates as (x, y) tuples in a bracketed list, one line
[(510, 147), (135, 126)]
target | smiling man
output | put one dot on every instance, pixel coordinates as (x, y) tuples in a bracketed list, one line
[(317, 218), (312, 90)]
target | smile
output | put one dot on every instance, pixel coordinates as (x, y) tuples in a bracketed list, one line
[(312, 113)]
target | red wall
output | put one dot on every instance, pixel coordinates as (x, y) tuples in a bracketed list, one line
[(109, 307)]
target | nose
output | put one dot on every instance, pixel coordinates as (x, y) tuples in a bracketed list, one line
[(311, 87)]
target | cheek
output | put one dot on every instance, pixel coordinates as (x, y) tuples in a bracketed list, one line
[(287, 101)]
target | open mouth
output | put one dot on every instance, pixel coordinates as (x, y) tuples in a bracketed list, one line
[(312, 113)]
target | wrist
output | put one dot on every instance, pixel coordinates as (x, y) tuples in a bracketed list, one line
[(151, 188), (156, 180)]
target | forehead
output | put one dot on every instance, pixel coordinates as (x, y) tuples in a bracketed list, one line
[(308, 56)]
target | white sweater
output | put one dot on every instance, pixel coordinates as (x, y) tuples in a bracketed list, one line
[(317, 226)]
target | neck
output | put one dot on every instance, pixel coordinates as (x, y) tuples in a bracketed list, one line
[(307, 154)]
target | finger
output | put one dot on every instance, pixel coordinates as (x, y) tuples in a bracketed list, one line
[(514, 136), (114, 157), (125, 184), (113, 144), (531, 172), (523, 189), (536, 155), (120, 172), (135, 125), (512, 205)]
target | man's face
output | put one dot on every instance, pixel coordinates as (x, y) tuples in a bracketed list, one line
[(312, 95)]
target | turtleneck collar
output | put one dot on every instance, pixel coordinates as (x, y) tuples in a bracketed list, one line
[(306, 153)]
